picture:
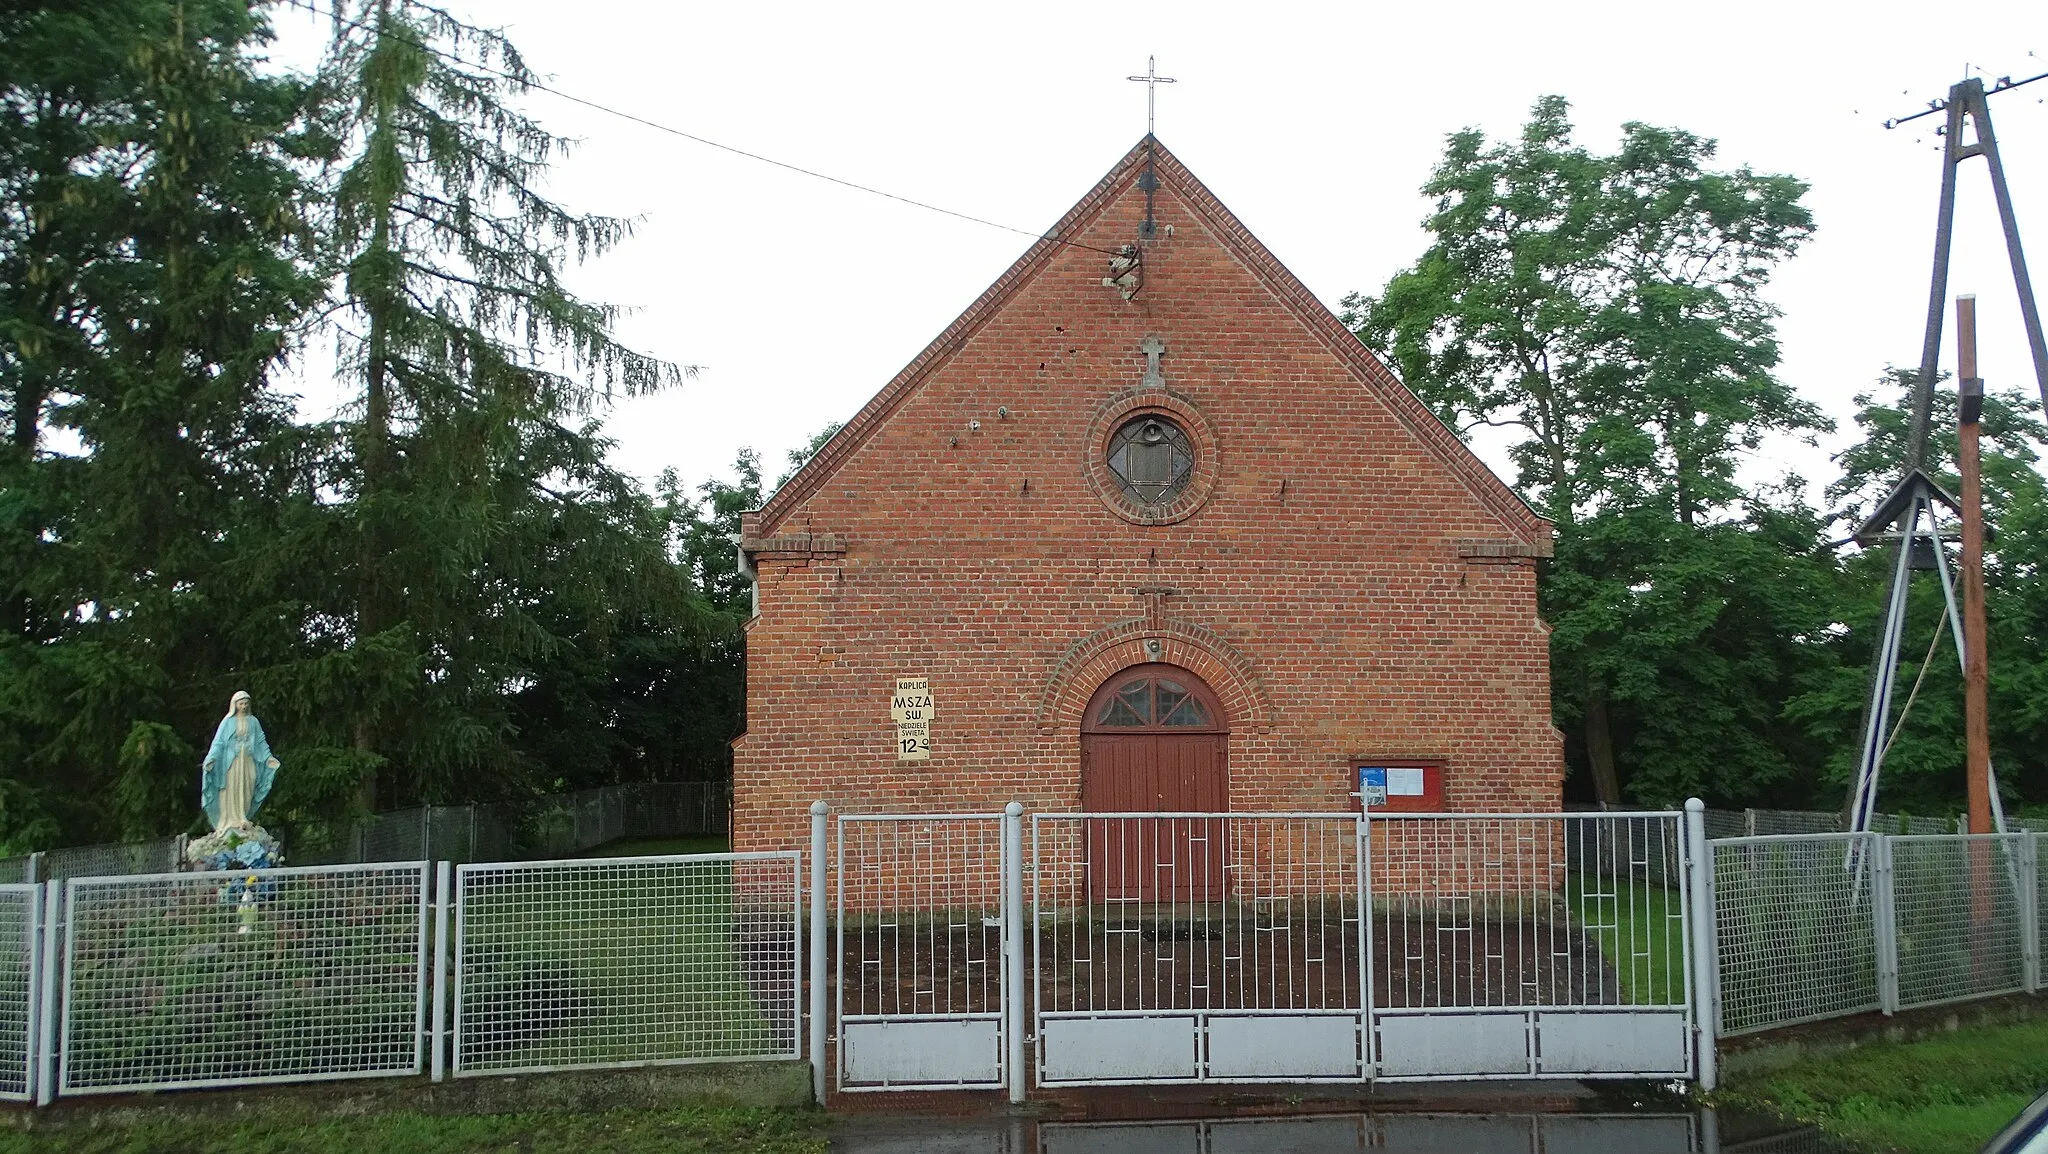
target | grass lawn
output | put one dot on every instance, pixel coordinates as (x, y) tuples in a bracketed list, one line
[(627, 962), (1941, 1095), (1640, 934), (693, 1130)]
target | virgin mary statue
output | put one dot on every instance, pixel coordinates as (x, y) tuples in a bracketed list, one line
[(238, 769)]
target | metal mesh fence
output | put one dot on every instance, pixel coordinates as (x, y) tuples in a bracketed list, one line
[(211, 979), (1582, 910), (1794, 929), (1768, 822), (919, 915), (18, 987), (626, 961), (400, 835), (920, 936), (1726, 823), (1197, 912), (1957, 902), (1723, 823), (160, 855), (557, 826), (554, 827)]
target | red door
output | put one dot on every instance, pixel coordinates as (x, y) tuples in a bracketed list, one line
[(1154, 741)]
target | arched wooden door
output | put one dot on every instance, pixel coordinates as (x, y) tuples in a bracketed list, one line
[(1154, 740)]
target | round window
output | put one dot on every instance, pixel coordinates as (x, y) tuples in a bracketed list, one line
[(1152, 459)]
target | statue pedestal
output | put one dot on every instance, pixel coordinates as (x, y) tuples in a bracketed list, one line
[(241, 845)]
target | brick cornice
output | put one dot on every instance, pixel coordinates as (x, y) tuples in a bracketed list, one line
[(1503, 552), (1096, 658), (794, 546)]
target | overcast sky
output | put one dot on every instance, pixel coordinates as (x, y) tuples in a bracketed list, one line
[(1316, 124)]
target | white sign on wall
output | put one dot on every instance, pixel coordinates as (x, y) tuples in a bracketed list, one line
[(911, 708)]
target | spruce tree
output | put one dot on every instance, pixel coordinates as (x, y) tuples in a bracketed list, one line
[(489, 537), (152, 261)]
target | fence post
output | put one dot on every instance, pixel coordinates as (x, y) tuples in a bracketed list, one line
[(35, 868), (32, 1033), (2030, 910), (1706, 1009), (818, 979), (1013, 949), (53, 977), (178, 845), (443, 881), (1884, 922), (1749, 822)]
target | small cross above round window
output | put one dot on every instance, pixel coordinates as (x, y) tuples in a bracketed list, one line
[(1152, 458)]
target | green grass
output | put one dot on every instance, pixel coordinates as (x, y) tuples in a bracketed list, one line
[(631, 964), (696, 1130), (1942, 1095), (1640, 935)]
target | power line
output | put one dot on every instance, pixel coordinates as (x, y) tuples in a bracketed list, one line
[(530, 82), (1933, 106)]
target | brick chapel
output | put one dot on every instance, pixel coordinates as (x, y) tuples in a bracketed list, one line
[(1145, 529)]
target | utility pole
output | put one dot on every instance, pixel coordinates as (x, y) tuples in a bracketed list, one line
[(1976, 656), (1913, 503)]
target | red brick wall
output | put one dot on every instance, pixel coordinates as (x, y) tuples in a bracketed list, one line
[(1321, 588)]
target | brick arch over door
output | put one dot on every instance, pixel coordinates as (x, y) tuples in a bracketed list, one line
[(1101, 655)]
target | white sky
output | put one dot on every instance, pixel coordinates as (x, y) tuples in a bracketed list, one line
[(1315, 123)]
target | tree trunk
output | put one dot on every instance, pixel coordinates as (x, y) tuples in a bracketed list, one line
[(374, 610), (24, 437), (1600, 749)]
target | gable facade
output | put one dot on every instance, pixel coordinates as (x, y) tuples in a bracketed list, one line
[(1333, 578)]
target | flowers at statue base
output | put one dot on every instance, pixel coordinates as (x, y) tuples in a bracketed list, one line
[(242, 845)]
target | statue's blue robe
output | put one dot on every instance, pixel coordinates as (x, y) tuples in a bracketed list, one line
[(221, 757)]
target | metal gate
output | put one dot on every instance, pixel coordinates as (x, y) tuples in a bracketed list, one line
[(1198, 947), (1262, 947), (927, 918), (1538, 945), (1250, 947)]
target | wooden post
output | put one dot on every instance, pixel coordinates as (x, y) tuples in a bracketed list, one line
[(1976, 663), (1976, 667)]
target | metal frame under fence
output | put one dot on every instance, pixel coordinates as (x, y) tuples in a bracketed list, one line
[(925, 935), (639, 961), (307, 973), (1816, 926)]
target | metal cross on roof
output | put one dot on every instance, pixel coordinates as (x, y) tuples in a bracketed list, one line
[(1151, 80)]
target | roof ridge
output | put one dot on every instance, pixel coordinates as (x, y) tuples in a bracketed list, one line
[(1418, 418), (1480, 480), (811, 476)]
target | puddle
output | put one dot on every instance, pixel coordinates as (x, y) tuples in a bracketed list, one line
[(1704, 1132)]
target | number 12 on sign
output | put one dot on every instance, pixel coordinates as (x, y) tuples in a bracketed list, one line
[(913, 740)]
